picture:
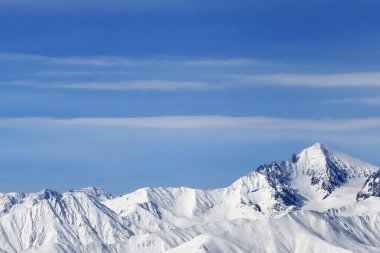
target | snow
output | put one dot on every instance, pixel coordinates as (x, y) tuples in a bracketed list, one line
[(308, 204)]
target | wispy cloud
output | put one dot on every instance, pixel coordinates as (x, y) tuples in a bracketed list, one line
[(210, 121), (182, 67), (228, 62), (75, 73), (356, 79), (71, 60), (125, 61), (357, 100), (117, 5), (159, 85)]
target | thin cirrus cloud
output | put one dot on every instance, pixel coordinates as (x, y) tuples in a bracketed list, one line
[(106, 65), (230, 62), (355, 79), (75, 73), (139, 5), (357, 100), (125, 61), (359, 80), (155, 85), (208, 121), (70, 60)]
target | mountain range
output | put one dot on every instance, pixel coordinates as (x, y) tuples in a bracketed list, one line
[(317, 201)]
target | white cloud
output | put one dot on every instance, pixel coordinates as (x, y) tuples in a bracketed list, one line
[(191, 122), (356, 79), (76, 73), (350, 79), (125, 5), (358, 100), (125, 61), (72, 60), (160, 85), (228, 62)]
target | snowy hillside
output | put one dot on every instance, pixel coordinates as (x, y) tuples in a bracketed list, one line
[(371, 187), (319, 200)]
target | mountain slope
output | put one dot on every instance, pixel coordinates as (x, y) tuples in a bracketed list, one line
[(305, 204), (297, 232), (371, 187), (73, 218)]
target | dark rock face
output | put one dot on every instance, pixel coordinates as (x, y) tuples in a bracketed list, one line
[(151, 207), (331, 175), (274, 173), (371, 187), (336, 175), (48, 194), (278, 179)]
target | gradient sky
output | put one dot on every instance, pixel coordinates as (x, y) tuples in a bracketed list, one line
[(128, 94)]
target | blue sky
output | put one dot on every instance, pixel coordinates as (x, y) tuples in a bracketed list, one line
[(127, 94)]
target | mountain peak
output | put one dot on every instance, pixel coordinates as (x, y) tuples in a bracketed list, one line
[(319, 145), (316, 150), (324, 169), (95, 192), (47, 194), (296, 192)]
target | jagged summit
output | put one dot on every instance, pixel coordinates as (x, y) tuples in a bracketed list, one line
[(47, 194), (318, 147), (321, 156), (315, 154), (319, 170), (371, 187), (95, 192)]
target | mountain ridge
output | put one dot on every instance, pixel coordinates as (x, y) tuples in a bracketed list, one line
[(318, 184)]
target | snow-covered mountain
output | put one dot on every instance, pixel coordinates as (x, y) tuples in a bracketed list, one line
[(319, 200), (371, 187)]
